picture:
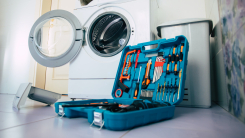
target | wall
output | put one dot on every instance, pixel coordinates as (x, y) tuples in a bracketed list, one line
[(16, 19), (232, 16), (218, 82), (228, 54)]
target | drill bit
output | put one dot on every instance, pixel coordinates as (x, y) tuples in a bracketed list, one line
[(179, 81), (163, 90), (170, 92), (167, 93), (160, 93), (157, 91), (175, 86)]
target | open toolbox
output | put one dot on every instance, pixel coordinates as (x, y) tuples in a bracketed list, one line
[(148, 85)]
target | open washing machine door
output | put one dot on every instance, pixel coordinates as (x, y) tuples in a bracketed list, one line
[(55, 38), (108, 34)]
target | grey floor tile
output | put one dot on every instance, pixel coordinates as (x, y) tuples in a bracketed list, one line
[(194, 122), (9, 120), (40, 121), (59, 128), (31, 112)]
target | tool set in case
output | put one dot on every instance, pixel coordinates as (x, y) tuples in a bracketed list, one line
[(148, 85)]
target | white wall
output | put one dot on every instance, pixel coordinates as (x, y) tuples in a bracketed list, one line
[(16, 20)]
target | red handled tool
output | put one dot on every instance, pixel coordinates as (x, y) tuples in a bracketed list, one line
[(136, 61)]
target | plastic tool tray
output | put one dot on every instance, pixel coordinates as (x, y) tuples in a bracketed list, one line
[(169, 60)]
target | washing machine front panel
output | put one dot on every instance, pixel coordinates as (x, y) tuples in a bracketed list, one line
[(88, 19), (55, 38), (98, 66), (100, 71), (106, 67)]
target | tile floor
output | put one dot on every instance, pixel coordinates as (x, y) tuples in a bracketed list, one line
[(36, 120)]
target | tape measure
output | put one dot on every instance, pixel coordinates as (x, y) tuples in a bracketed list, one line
[(118, 93)]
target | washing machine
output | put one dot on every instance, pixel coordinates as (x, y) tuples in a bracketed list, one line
[(91, 40)]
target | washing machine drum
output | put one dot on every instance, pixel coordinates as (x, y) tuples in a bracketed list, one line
[(109, 35)]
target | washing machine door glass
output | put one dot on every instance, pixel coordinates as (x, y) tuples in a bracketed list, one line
[(108, 34), (55, 38)]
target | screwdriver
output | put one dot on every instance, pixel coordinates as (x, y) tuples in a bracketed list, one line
[(181, 52), (147, 80), (160, 93), (136, 61), (180, 73), (175, 86), (175, 66), (170, 91), (163, 90), (136, 91), (169, 59), (157, 91), (174, 54), (167, 92)]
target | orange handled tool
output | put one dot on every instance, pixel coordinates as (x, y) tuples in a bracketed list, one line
[(181, 52), (136, 91), (169, 59), (147, 80), (175, 66), (180, 58), (120, 83), (173, 56)]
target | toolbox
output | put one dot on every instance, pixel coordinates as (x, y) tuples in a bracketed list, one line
[(148, 84)]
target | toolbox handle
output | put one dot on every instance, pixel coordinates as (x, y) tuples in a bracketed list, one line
[(148, 44)]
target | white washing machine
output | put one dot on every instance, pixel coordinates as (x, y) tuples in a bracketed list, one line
[(91, 39)]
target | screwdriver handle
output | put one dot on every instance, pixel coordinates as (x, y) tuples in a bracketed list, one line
[(174, 54), (145, 83), (175, 66), (146, 80), (169, 59), (136, 91), (136, 61)]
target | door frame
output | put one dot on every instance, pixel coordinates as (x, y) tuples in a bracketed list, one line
[(37, 73)]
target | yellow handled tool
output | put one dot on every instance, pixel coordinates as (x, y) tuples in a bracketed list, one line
[(179, 81)]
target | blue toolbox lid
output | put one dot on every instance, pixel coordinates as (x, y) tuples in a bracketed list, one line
[(159, 77), (160, 72)]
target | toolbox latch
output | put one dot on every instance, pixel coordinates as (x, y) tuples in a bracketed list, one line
[(61, 111), (98, 120)]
